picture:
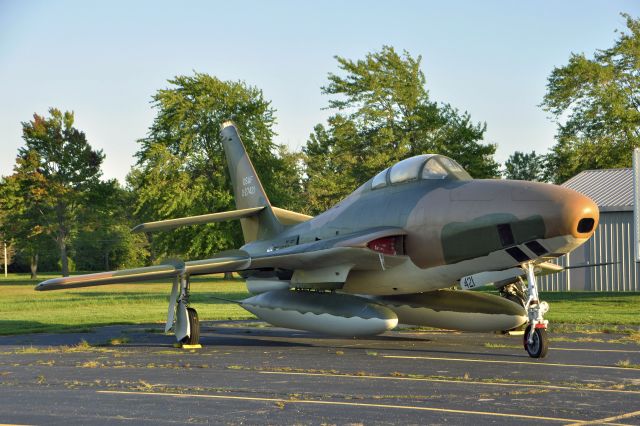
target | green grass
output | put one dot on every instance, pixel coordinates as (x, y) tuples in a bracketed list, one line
[(593, 308), (590, 308), (24, 310)]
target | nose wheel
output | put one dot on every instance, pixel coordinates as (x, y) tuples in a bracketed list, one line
[(536, 342)]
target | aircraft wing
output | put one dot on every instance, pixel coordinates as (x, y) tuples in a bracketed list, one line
[(229, 261), (349, 249), (507, 276)]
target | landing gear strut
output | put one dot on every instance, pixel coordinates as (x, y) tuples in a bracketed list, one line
[(535, 338)]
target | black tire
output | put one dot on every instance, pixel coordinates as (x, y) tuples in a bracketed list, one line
[(540, 345), (194, 326)]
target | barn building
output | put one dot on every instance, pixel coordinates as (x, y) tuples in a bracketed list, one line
[(613, 241)]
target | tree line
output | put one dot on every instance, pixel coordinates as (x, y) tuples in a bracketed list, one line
[(58, 213)]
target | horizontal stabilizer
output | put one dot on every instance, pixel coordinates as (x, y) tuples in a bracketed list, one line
[(288, 217), (163, 225), (229, 261)]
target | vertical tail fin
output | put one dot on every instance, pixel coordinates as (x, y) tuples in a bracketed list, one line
[(247, 188)]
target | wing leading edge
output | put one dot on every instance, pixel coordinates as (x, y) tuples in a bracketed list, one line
[(230, 261)]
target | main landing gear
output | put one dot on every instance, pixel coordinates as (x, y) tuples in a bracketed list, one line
[(182, 318), (535, 340)]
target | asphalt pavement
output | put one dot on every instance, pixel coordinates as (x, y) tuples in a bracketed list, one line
[(250, 373)]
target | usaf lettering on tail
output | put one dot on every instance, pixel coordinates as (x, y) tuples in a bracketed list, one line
[(389, 253)]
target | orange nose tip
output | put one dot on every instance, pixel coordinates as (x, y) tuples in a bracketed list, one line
[(580, 214)]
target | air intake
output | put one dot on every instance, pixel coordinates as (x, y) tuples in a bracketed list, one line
[(585, 225)]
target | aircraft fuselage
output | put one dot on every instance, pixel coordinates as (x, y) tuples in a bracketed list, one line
[(454, 228)]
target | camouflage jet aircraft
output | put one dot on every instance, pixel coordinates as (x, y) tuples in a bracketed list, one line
[(389, 253)]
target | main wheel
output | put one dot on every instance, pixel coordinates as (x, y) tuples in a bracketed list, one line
[(194, 326), (540, 345)]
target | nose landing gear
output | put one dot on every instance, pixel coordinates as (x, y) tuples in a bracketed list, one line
[(514, 292), (535, 340)]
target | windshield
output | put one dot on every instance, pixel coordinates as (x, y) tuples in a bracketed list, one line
[(439, 167)]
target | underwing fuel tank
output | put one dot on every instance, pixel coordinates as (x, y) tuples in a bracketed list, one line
[(327, 313), (456, 310)]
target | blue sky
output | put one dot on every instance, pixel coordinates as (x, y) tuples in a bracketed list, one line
[(104, 60)]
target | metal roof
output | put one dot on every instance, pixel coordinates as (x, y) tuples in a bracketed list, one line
[(611, 189)]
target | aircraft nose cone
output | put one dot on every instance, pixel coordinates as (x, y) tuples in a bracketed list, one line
[(565, 211), (580, 214)]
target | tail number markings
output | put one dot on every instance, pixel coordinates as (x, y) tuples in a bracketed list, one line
[(248, 187)]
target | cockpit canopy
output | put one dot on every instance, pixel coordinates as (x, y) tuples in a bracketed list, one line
[(426, 166)]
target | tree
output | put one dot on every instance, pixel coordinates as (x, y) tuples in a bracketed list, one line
[(596, 105), (54, 172), (181, 168), (522, 166), (459, 138), (23, 201), (332, 170), (104, 240), (384, 114)]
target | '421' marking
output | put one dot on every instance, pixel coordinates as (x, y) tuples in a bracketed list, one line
[(468, 282)]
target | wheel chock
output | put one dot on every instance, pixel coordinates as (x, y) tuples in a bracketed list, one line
[(181, 346)]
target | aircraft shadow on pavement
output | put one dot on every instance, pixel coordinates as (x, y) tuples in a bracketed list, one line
[(39, 334), (261, 336), (208, 341)]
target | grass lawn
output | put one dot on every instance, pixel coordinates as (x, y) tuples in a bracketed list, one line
[(593, 308), (23, 310)]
